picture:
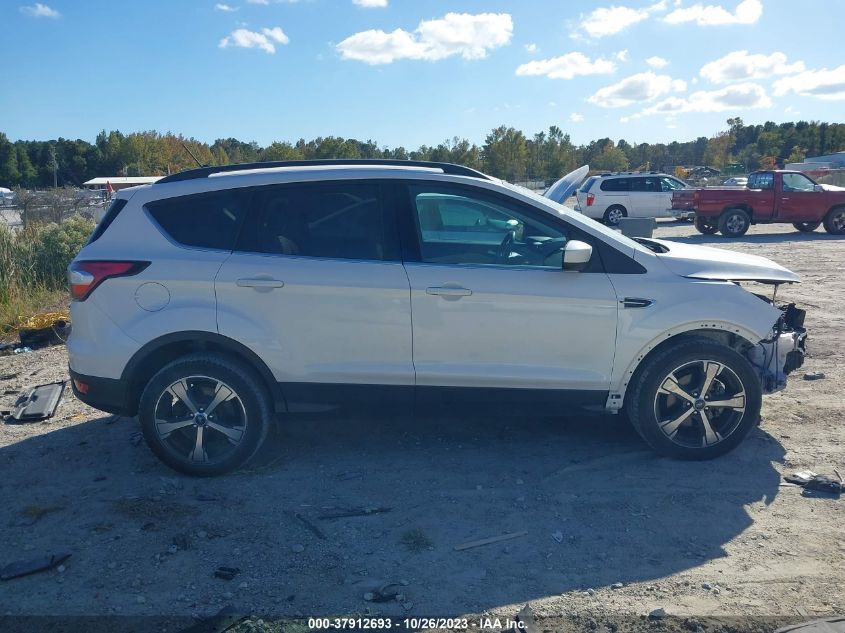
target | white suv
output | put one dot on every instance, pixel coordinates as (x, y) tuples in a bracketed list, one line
[(218, 299), (611, 197)]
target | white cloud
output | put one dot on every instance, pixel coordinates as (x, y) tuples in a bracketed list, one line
[(531, 48), (264, 2), (747, 12), (791, 110), (576, 118), (370, 4), (637, 88), (611, 20), (567, 66), (740, 66), (266, 39), (657, 62), (468, 35), (39, 10), (735, 97), (226, 8), (622, 56), (825, 84)]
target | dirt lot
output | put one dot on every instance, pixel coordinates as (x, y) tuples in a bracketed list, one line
[(722, 538)]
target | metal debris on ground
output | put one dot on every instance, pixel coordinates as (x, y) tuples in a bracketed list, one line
[(39, 403), (307, 523), (32, 566), (815, 483), (488, 541), (353, 512)]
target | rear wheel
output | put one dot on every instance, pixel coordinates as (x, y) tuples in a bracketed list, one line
[(695, 400), (204, 414), (614, 214), (806, 227), (734, 223), (705, 225), (834, 221)]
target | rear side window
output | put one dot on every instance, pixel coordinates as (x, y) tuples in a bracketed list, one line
[(114, 209), (645, 184), (588, 183), (764, 180), (208, 220), (336, 221), (616, 184)]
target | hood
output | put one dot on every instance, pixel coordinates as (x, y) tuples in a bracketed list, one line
[(832, 188), (704, 262), (566, 186)]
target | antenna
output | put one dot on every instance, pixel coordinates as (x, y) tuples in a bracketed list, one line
[(196, 160)]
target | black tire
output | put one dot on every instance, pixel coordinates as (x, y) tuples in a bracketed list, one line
[(705, 225), (614, 213), (734, 223), (645, 397), (834, 221), (806, 227), (250, 407)]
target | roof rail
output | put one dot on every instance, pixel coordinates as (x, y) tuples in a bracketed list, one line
[(205, 172)]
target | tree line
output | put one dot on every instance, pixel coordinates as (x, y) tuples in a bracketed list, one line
[(506, 152)]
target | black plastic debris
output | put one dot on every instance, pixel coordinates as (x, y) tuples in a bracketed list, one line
[(32, 566), (55, 334), (814, 375), (39, 403), (226, 573), (814, 483)]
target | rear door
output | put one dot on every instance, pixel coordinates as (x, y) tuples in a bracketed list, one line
[(493, 309), (613, 191), (317, 289), (799, 201)]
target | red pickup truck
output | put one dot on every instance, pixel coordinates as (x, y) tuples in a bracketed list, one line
[(770, 196)]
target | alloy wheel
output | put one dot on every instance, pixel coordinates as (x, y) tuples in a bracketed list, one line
[(699, 403), (200, 419)]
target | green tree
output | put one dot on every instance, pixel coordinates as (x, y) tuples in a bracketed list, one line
[(611, 158), (505, 153)]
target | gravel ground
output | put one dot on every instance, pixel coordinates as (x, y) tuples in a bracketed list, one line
[(612, 531)]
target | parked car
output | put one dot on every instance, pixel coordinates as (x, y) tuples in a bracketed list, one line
[(736, 181), (611, 197), (220, 299), (775, 196), (7, 197)]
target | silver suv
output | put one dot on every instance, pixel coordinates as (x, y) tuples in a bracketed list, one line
[(219, 299), (611, 197)]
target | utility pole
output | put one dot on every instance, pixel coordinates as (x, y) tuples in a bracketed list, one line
[(55, 165)]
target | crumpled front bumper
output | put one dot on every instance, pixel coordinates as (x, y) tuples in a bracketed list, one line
[(782, 353)]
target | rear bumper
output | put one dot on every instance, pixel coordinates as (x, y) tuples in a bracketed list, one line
[(106, 394), (682, 214)]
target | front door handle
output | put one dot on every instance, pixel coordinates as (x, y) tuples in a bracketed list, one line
[(448, 291), (260, 282)]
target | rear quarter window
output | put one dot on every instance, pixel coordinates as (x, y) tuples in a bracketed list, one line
[(616, 184), (587, 184), (208, 220)]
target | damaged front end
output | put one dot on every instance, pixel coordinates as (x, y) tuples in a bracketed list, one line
[(783, 351)]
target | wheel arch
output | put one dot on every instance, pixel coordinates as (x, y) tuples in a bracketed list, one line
[(164, 349), (741, 205), (731, 335)]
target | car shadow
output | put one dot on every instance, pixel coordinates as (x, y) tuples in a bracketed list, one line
[(591, 506)]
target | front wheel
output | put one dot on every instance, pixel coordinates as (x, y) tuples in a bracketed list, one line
[(695, 400), (705, 225), (734, 223), (204, 414), (806, 227), (834, 221)]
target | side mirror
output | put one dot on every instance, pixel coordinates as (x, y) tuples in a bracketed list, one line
[(576, 255), (818, 188)]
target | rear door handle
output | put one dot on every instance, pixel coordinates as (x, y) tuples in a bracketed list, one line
[(259, 282), (448, 291)]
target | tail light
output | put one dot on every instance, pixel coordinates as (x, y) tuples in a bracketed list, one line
[(696, 197), (591, 197), (84, 276)]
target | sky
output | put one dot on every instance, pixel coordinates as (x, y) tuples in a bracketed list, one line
[(414, 72)]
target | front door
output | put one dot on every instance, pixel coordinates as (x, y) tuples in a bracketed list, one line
[(316, 289), (799, 200), (492, 307)]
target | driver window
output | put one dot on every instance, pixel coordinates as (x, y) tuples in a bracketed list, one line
[(797, 182), (455, 226)]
